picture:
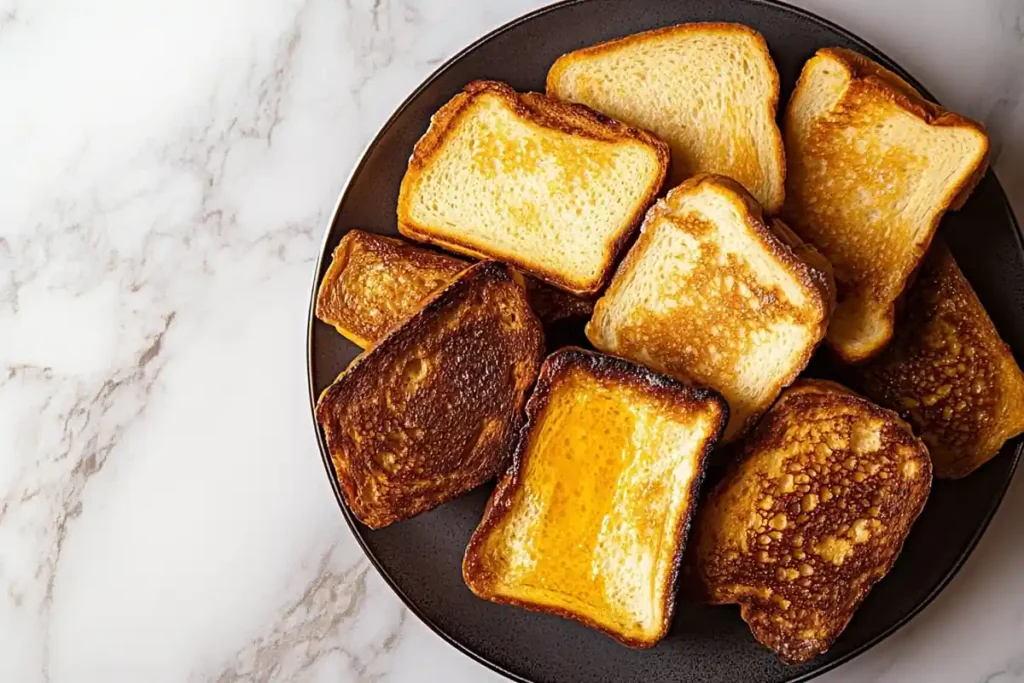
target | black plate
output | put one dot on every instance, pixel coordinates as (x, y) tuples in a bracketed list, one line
[(421, 558)]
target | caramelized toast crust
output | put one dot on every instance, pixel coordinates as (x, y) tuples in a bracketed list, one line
[(872, 168), (710, 293), (590, 520), (948, 372), (553, 188), (813, 515), (374, 282), (431, 411), (710, 90)]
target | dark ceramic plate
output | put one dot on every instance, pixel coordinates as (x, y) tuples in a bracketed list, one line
[(421, 558)]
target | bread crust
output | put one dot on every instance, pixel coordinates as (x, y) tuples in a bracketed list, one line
[(566, 117), (798, 589), (555, 73), (431, 411), (475, 571), (800, 259), (867, 79)]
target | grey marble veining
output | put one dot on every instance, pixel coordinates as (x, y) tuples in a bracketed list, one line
[(167, 171)]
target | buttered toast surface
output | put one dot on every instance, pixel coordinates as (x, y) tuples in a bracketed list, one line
[(590, 520)]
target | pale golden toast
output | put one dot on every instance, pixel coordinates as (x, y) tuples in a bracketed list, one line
[(812, 516), (375, 282), (712, 294), (430, 412), (872, 168), (552, 188), (949, 373), (710, 90), (590, 520)]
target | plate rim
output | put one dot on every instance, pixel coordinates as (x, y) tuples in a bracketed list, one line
[(353, 525)]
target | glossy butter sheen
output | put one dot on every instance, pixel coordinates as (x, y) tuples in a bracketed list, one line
[(597, 508)]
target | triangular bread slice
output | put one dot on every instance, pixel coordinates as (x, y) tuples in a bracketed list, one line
[(712, 294), (872, 168), (552, 188), (590, 520), (811, 517), (710, 90), (432, 410)]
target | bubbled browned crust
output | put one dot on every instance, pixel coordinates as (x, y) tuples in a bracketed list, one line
[(813, 515), (684, 399), (375, 282), (567, 117), (949, 373), (430, 412)]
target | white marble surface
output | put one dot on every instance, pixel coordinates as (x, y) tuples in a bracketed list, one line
[(166, 169)]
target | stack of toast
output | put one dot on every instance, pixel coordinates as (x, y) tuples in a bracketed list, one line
[(650, 198)]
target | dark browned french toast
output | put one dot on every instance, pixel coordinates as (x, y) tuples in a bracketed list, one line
[(589, 521), (812, 516), (374, 282), (949, 373), (430, 411)]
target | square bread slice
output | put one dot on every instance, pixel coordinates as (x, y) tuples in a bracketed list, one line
[(949, 373), (710, 90), (712, 294), (590, 520), (430, 412), (552, 188), (812, 516), (375, 282), (872, 168)]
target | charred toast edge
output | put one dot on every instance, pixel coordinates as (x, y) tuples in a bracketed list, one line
[(474, 572)]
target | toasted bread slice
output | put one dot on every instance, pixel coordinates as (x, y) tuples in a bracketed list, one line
[(375, 282), (550, 187), (812, 517), (872, 168), (709, 90), (590, 520), (711, 294), (429, 412), (948, 372)]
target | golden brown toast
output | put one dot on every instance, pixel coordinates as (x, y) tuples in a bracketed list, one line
[(374, 282), (710, 293), (552, 188), (709, 90), (430, 411), (948, 372), (590, 520), (812, 517), (872, 168)]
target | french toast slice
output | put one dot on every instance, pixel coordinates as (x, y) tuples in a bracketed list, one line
[(590, 520), (710, 90), (872, 168), (550, 187), (430, 412), (374, 282), (812, 516), (711, 294), (948, 372)]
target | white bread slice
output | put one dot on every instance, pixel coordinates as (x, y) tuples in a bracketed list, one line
[(709, 90), (590, 520), (872, 169), (711, 294), (550, 187)]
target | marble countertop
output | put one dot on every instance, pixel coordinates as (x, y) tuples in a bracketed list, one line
[(167, 171)]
